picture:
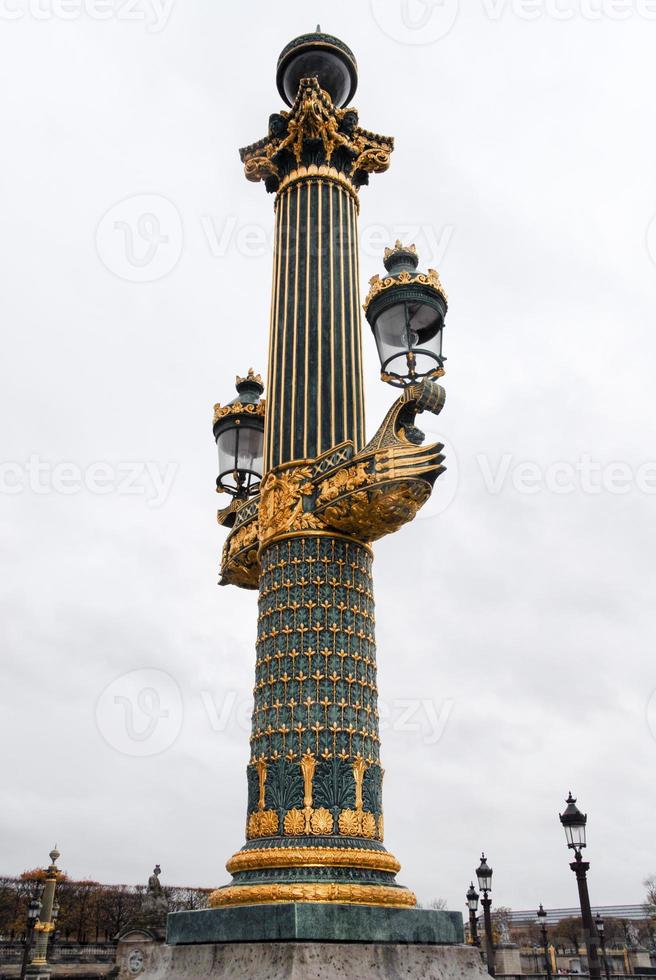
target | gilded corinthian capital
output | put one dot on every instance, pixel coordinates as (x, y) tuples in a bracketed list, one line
[(316, 138)]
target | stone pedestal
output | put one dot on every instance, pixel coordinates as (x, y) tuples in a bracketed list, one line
[(307, 941), (314, 961), (508, 960), (37, 971), (137, 951), (639, 958)]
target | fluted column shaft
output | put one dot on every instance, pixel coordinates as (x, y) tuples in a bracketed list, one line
[(315, 398)]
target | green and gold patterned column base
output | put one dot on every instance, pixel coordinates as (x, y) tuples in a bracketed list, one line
[(314, 822)]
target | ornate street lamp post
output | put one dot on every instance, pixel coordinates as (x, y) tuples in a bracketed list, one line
[(484, 875), (45, 925), (239, 434), (541, 921), (32, 918), (472, 905), (310, 495), (574, 823), (601, 932)]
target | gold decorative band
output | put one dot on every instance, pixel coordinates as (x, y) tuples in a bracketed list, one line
[(316, 534), (319, 174), (309, 892), (313, 857)]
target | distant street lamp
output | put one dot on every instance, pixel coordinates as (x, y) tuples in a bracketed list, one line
[(541, 920), (32, 917), (601, 932), (484, 875), (45, 925), (472, 905), (574, 823)]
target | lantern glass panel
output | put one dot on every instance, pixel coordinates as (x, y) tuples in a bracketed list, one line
[(484, 875), (485, 882), (227, 445), (250, 455), (240, 458), (575, 834), (409, 328)]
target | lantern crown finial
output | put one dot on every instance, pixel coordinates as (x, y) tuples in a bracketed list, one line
[(251, 381), (401, 258)]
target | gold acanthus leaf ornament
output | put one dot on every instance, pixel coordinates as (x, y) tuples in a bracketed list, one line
[(262, 823), (294, 823), (282, 503), (373, 161), (259, 168), (431, 280), (344, 894), (238, 408), (314, 117), (240, 562), (345, 479), (299, 857)]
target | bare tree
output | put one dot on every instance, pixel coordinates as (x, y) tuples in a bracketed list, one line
[(439, 904), (650, 885)]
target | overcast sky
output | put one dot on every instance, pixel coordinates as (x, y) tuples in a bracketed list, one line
[(515, 617)]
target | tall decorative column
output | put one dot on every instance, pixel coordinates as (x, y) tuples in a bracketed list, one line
[(47, 917), (314, 822)]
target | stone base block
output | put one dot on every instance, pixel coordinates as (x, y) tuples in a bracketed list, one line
[(315, 922), (314, 961)]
